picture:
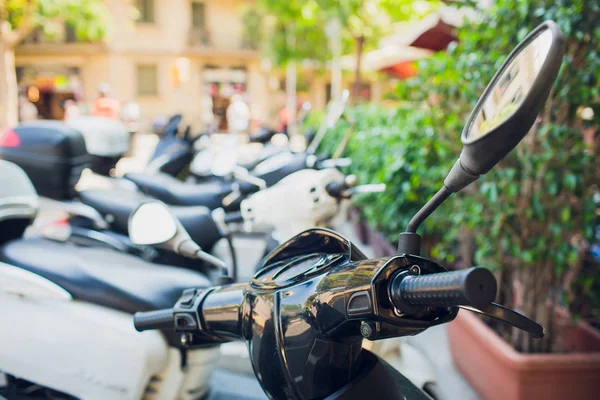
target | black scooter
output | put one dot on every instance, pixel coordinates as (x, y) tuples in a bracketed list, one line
[(317, 297)]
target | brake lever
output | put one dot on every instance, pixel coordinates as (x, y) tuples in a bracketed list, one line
[(370, 188), (510, 317), (331, 163)]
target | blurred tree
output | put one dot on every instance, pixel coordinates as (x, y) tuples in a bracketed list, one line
[(294, 30), (19, 18), (364, 22)]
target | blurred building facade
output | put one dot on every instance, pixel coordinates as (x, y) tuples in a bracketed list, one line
[(191, 56), (183, 56)]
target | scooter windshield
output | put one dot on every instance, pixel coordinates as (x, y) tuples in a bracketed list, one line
[(316, 240)]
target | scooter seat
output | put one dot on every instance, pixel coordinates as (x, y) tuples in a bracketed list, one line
[(101, 276), (173, 191), (117, 205)]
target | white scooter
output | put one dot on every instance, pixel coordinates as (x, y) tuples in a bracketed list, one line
[(66, 315)]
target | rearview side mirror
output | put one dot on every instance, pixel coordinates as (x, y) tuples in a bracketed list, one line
[(504, 114), (509, 105), (152, 224)]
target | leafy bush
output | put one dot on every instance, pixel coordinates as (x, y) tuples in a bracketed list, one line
[(532, 216), (397, 147)]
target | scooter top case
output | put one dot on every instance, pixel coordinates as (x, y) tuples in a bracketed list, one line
[(52, 154), (107, 140)]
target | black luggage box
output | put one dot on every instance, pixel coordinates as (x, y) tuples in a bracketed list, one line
[(51, 153)]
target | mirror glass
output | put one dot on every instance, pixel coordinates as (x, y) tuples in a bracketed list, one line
[(151, 224), (511, 87)]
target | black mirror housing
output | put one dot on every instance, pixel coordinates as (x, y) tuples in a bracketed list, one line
[(481, 153)]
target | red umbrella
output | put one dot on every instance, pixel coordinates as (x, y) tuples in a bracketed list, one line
[(436, 38)]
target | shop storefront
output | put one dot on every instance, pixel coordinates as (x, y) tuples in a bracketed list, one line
[(49, 87), (220, 84)]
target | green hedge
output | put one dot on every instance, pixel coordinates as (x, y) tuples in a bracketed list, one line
[(397, 147), (532, 216)]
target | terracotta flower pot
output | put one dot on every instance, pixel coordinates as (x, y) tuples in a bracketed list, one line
[(498, 372)]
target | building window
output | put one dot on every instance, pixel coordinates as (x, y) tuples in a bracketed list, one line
[(147, 80), (198, 15), (146, 10)]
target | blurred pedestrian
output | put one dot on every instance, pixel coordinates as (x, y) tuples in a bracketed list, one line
[(208, 115), (27, 110), (105, 105), (238, 115), (131, 115), (71, 109), (284, 117)]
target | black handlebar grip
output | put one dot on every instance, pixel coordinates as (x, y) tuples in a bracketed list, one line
[(335, 189), (474, 287), (159, 319)]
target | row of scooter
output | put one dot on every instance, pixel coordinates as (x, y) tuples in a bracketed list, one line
[(91, 260), (310, 313)]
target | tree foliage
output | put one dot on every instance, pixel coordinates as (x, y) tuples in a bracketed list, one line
[(19, 18), (88, 17), (306, 20), (531, 218), (293, 30)]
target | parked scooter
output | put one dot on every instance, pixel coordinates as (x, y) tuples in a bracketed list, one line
[(106, 140), (303, 200), (66, 316), (102, 216), (316, 298), (236, 181), (248, 150), (174, 150)]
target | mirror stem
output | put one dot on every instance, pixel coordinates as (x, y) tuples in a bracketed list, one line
[(409, 242), (427, 209)]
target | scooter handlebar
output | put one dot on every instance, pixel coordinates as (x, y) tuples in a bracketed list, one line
[(159, 319), (474, 287)]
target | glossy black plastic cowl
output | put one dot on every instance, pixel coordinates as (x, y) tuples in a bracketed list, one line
[(302, 315)]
